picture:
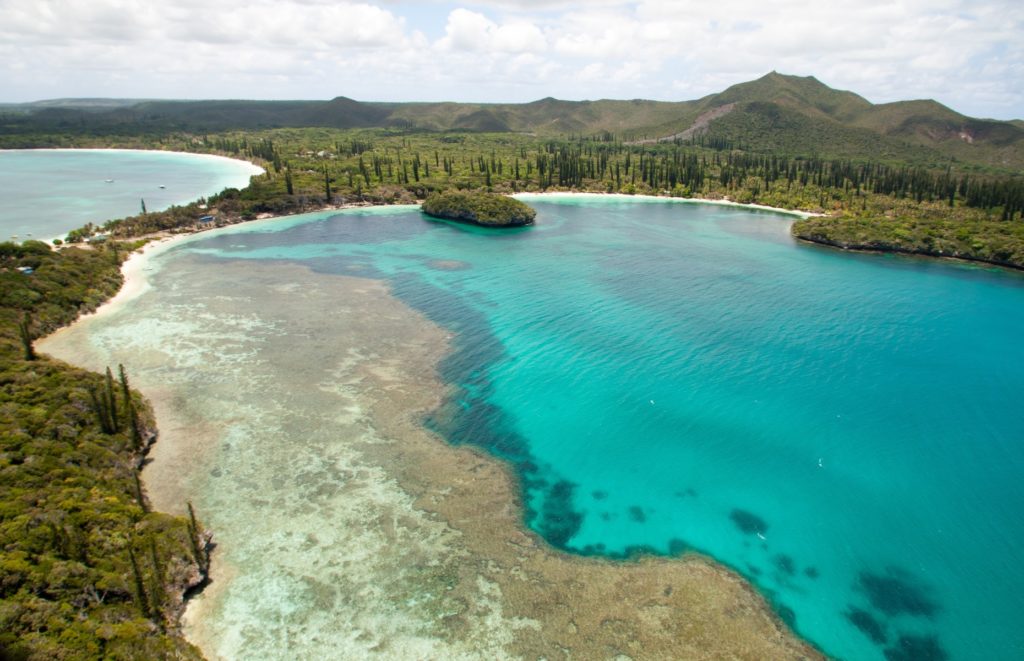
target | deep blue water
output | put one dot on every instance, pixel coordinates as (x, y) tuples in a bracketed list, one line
[(45, 193), (845, 430)]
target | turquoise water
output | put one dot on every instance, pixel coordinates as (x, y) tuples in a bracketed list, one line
[(46, 193), (845, 430)]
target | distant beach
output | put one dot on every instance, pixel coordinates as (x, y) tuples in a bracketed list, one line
[(60, 190), (667, 198)]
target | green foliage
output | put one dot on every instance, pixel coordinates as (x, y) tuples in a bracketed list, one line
[(25, 335), (72, 514), (784, 115), (993, 241), (787, 142), (485, 209), (87, 571), (387, 166)]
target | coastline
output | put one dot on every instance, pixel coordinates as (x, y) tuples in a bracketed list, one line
[(240, 167), (869, 249), (679, 200), (256, 169), (473, 497)]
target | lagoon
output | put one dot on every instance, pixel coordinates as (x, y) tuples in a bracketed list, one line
[(843, 430), (48, 192)]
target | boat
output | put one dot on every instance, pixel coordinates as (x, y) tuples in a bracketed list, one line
[(109, 181)]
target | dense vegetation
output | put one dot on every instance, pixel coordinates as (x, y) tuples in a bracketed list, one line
[(312, 168), (480, 208), (783, 115), (87, 570), (893, 176), (992, 241)]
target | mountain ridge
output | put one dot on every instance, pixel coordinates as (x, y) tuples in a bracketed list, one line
[(777, 112)]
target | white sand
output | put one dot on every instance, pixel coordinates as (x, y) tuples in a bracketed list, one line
[(683, 200)]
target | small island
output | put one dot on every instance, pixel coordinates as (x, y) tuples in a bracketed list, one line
[(486, 209)]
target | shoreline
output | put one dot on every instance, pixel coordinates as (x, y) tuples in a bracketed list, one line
[(252, 170), (634, 584), (676, 200), (256, 169), (867, 249), (134, 282)]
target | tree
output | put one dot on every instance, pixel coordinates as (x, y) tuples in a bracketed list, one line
[(26, 338)]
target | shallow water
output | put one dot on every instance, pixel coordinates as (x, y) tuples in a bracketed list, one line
[(49, 192), (842, 429)]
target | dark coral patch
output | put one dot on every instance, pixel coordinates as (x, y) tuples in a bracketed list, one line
[(748, 523), (559, 521), (785, 564), (916, 648), (677, 547), (787, 614), (868, 625), (636, 550), (896, 593), (812, 573), (637, 514)]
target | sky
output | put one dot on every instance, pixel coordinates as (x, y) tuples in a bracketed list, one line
[(967, 54)]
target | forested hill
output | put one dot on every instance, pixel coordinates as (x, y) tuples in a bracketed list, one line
[(780, 114), (794, 115)]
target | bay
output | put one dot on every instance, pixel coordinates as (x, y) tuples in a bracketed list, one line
[(48, 192), (842, 429)]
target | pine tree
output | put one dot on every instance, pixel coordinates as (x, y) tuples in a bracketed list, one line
[(111, 398), (140, 590), (139, 496), (202, 558), (126, 392), (26, 338)]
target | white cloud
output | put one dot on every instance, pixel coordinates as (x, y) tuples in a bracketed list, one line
[(967, 54), (471, 31)]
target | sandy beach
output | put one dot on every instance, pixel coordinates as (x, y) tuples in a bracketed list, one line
[(344, 527), (255, 169), (676, 200)]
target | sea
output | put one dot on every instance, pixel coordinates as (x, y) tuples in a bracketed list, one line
[(661, 377), (49, 192)]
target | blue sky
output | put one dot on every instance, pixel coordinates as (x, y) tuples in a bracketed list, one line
[(967, 55)]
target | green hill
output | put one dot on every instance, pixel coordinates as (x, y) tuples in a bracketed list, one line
[(803, 115), (808, 96), (790, 115)]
